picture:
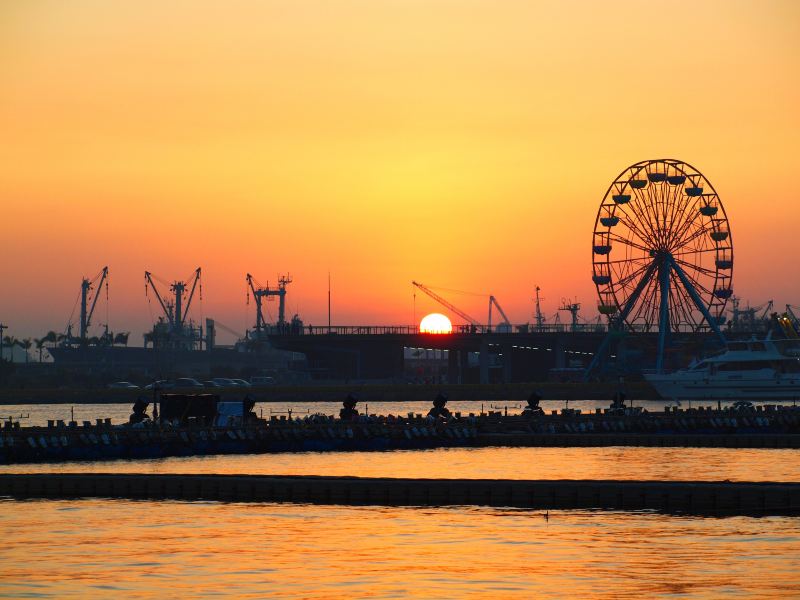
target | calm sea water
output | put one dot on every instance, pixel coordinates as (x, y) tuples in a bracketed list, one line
[(709, 464), (146, 549), (92, 548)]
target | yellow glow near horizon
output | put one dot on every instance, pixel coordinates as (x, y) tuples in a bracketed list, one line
[(435, 323)]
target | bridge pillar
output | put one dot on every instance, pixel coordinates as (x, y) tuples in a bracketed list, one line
[(484, 361)]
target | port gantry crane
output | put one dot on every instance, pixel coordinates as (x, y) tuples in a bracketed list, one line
[(746, 319), (87, 311), (174, 310), (474, 324), (573, 308), (261, 292)]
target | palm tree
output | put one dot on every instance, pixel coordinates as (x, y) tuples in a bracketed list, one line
[(51, 337), (26, 345), (40, 346), (11, 341)]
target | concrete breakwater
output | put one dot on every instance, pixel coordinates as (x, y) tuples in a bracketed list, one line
[(722, 498), (369, 393), (764, 427)]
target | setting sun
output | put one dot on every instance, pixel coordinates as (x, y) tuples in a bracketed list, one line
[(435, 323)]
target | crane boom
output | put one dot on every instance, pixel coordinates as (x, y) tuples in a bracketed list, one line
[(103, 276), (149, 281), (195, 281), (493, 300), (446, 304), (767, 308), (257, 297)]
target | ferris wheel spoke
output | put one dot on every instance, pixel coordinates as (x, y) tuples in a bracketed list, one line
[(692, 252), (687, 237), (693, 316), (699, 268), (644, 308), (686, 228), (683, 302), (633, 222), (627, 242), (626, 260), (642, 215), (698, 285), (679, 214), (650, 214), (630, 277)]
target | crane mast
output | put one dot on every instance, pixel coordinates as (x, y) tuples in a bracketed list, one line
[(539, 315), (87, 310)]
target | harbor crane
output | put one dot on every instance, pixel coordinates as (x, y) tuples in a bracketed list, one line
[(539, 316), (448, 305), (174, 309), (88, 302), (265, 292), (750, 318), (572, 308), (504, 325)]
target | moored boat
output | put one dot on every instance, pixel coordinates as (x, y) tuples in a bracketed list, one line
[(745, 370)]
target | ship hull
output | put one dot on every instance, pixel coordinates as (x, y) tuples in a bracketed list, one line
[(683, 386)]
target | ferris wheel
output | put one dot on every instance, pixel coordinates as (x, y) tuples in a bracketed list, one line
[(662, 250)]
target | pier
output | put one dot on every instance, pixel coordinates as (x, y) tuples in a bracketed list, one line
[(766, 426)]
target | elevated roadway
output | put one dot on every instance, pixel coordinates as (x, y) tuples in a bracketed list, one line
[(377, 352)]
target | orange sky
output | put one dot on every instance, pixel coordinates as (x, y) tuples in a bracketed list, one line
[(464, 144)]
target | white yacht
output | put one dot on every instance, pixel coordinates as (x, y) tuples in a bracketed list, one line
[(746, 370)]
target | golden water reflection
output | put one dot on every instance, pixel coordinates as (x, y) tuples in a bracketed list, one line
[(710, 464), (109, 548)]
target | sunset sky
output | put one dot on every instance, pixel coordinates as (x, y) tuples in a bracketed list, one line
[(464, 144)]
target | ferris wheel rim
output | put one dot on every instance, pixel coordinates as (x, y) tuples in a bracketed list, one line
[(689, 243)]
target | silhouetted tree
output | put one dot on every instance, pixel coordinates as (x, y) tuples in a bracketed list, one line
[(40, 345)]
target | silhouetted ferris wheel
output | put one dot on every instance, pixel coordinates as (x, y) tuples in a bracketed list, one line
[(662, 250)]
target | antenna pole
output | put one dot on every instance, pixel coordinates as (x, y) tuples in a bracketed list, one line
[(329, 301)]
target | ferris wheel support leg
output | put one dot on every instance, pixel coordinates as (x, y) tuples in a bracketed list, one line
[(619, 326), (697, 301), (663, 319)]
